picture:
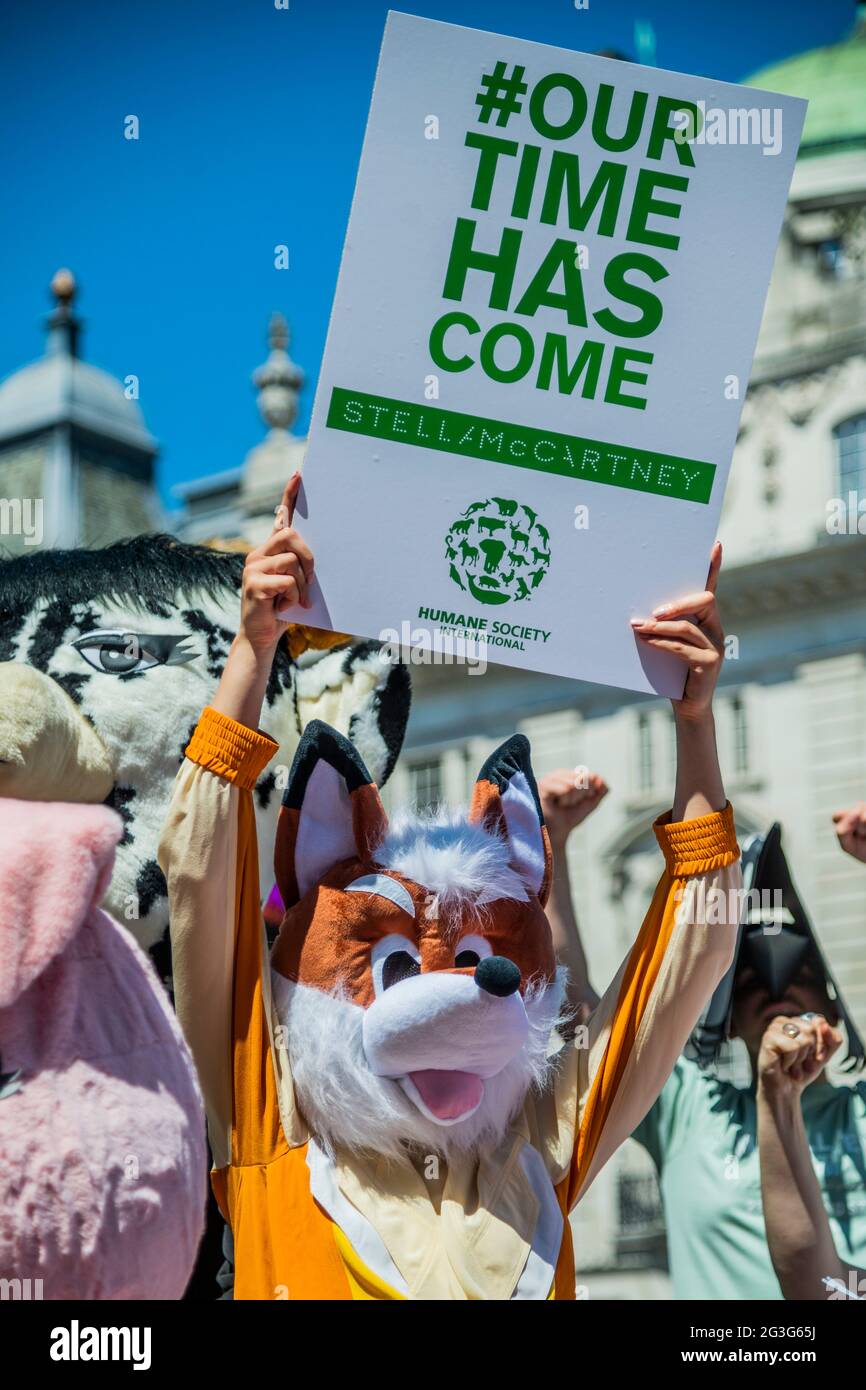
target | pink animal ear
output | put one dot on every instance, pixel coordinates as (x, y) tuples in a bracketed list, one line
[(331, 811), (506, 801), (55, 864)]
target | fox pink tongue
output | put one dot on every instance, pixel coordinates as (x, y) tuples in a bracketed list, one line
[(448, 1094)]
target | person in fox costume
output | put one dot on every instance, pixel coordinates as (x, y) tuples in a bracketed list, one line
[(398, 1107)]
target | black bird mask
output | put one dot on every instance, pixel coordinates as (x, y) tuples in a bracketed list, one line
[(776, 938)]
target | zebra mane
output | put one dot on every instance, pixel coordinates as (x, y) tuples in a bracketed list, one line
[(147, 572)]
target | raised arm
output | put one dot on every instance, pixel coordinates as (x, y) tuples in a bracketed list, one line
[(794, 1051), (208, 854), (687, 939), (208, 849), (566, 801)]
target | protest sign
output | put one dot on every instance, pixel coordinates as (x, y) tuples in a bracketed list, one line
[(549, 298)]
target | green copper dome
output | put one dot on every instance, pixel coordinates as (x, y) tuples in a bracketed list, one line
[(834, 81)]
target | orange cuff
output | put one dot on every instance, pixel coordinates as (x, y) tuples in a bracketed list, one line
[(229, 749), (698, 846)]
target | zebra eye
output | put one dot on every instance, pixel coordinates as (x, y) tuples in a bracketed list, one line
[(116, 655), (127, 653), (398, 966)]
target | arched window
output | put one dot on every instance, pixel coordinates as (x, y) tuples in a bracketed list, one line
[(850, 439)]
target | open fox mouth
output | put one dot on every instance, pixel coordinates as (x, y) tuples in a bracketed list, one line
[(444, 1096)]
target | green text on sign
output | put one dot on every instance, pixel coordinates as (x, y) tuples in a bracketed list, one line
[(451, 432)]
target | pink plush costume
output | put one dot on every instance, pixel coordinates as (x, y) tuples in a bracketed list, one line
[(103, 1165)]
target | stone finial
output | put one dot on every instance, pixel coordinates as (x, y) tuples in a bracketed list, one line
[(64, 328), (279, 379), (63, 286)]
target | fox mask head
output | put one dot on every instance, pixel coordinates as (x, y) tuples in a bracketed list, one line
[(414, 971)]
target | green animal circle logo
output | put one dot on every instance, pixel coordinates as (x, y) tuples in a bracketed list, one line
[(498, 551)]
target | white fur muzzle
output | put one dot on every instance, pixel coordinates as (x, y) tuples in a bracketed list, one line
[(339, 1050), (442, 1022)]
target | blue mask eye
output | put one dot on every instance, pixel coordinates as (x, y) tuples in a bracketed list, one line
[(398, 966), (465, 960)]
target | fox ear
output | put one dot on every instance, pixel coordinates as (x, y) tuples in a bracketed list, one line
[(331, 811), (506, 801)]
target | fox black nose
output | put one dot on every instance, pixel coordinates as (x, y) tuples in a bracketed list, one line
[(497, 975)]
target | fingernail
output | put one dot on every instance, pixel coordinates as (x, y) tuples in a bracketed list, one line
[(639, 622), (662, 608)]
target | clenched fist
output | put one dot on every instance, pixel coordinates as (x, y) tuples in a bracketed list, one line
[(851, 830), (565, 802), (794, 1051)]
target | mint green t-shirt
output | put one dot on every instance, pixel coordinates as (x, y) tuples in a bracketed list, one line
[(702, 1136)]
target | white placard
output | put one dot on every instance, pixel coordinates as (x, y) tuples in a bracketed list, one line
[(550, 293)]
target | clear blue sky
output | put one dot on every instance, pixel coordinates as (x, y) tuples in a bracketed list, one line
[(251, 126)]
